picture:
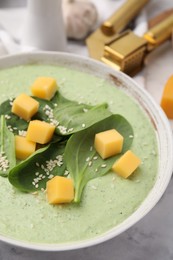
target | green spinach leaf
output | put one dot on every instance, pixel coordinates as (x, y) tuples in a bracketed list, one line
[(81, 158), (33, 173), (74, 117), (7, 148)]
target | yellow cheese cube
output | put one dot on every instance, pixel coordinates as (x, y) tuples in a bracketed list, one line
[(127, 164), (23, 147), (25, 106), (167, 98), (44, 88), (108, 143), (40, 131), (60, 190)]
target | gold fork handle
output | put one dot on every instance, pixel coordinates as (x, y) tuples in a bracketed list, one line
[(119, 20)]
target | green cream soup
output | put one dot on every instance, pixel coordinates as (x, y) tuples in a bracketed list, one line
[(106, 201)]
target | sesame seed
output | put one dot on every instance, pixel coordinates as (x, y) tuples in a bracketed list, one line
[(95, 157), (131, 136), (51, 176), (83, 125), (31, 225), (91, 148), (85, 110), (22, 133), (87, 159), (103, 165), (66, 173), (70, 130), (90, 163)]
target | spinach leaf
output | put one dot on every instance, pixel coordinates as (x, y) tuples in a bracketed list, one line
[(13, 121), (81, 158), (33, 173), (7, 148), (44, 106), (74, 117)]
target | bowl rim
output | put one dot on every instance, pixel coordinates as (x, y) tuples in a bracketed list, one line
[(153, 110)]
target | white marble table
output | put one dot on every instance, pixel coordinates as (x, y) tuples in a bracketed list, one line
[(152, 237)]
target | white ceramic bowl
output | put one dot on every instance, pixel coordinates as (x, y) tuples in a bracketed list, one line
[(156, 115)]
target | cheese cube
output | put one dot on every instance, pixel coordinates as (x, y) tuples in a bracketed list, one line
[(126, 165), (60, 190), (40, 131), (25, 106), (167, 98), (23, 147), (44, 88), (108, 143)]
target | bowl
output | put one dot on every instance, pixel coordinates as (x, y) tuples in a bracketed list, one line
[(145, 101)]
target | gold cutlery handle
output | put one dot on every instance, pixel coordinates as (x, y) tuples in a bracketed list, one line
[(119, 20), (160, 32)]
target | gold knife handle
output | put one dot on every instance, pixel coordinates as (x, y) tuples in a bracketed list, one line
[(159, 33), (119, 20)]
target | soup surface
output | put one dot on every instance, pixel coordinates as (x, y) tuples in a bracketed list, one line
[(106, 201)]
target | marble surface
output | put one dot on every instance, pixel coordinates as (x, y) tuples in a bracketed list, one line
[(151, 238)]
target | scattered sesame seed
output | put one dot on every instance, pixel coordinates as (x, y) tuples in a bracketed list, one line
[(7, 117), (83, 125), (103, 165), (87, 159), (85, 110), (91, 148), (94, 187), (95, 157), (4, 163), (10, 128), (49, 113), (62, 129)]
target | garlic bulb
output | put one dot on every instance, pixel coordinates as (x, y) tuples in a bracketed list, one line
[(80, 17)]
